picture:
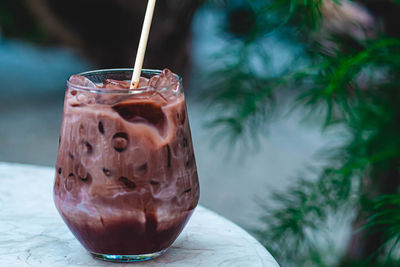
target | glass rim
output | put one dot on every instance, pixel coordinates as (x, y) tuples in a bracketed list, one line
[(139, 90)]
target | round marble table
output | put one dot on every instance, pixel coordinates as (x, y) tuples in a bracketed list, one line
[(33, 234)]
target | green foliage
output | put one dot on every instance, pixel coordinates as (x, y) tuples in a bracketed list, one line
[(307, 12), (386, 220), (372, 117), (354, 83), (270, 16), (244, 98), (301, 209), (244, 102), (334, 81)]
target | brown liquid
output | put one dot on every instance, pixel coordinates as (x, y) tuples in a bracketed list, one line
[(126, 181)]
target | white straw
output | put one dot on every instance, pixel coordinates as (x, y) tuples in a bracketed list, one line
[(143, 44)]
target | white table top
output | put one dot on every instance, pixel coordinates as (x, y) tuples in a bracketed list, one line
[(33, 234)]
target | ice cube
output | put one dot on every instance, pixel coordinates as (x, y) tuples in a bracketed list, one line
[(77, 99), (111, 99), (165, 80), (143, 82), (69, 182), (79, 80), (180, 144), (115, 84), (80, 97)]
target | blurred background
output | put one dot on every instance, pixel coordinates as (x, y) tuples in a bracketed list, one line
[(293, 107)]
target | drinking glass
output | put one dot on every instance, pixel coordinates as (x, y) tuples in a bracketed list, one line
[(126, 180)]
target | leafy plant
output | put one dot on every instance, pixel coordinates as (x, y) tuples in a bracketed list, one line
[(354, 82)]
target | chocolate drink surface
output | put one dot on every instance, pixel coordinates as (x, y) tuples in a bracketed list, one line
[(126, 180)]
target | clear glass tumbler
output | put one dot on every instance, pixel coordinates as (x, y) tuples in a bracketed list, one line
[(126, 180)]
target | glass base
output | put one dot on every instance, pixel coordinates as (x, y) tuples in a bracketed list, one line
[(128, 258)]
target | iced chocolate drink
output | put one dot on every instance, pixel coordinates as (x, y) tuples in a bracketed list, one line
[(126, 181)]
